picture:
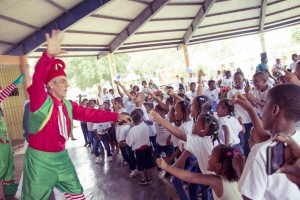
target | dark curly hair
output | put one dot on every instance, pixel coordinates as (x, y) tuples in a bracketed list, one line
[(213, 127), (226, 154), (184, 105), (200, 100), (228, 106)]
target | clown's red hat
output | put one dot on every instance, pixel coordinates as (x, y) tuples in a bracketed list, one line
[(57, 69)]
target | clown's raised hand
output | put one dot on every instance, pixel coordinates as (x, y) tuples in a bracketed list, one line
[(54, 43), (19, 80)]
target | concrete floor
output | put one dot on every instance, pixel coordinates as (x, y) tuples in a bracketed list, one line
[(109, 180)]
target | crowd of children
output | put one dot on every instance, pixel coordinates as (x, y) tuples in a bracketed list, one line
[(212, 139)]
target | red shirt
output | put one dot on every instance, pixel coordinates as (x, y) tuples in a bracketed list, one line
[(49, 138)]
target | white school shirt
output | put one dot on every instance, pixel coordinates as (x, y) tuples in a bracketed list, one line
[(230, 190), (261, 96), (256, 184), (138, 136), (201, 147), (122, 110), (212, 95), (191, 95), (234, 128), (227, 82), (145, 116), (187, 128), (238, 110), (162, 134), (293, 66), (90, 126), (122, 132), (129, 105), (106, 97), (101, 126)]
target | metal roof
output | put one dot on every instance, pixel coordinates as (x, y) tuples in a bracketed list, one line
[(97, 27)]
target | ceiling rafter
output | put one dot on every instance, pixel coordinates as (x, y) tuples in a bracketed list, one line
[(15, 21), (198, 20), (75, 14), (137, 23)]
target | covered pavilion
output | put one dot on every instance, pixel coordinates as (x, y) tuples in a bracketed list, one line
[(106, 27)]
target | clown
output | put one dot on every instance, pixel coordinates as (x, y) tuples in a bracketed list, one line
[(7, 166), (47, 163)]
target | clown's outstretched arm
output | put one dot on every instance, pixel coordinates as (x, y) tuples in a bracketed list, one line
[(11, 87), (37, 90)]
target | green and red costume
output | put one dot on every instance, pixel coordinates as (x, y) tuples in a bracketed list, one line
[(7, 166), (47, 163)]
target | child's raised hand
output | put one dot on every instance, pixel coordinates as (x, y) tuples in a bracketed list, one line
[(161, 163), (200, 73), (241, 100), (54, 43), (155, 117)]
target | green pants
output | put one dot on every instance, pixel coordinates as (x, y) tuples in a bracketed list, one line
[(45, 170), (7, 166)]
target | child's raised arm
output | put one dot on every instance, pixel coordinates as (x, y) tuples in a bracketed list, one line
[(160, 103), (191, 177), (125, 90), (200, 83), (262, 134), (119, 91), (172, 129)]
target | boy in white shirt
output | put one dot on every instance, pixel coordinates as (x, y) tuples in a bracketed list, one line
[(281, 112), (101, 135), (138, 140), (227, 80), (212, 93), (262, 88), (126, 151), (240, 112)]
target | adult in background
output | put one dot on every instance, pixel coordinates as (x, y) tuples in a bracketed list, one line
[(47, 163), (293, 65)]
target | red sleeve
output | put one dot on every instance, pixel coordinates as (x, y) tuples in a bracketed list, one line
[(86, 114), (37, 90), (6, 92)]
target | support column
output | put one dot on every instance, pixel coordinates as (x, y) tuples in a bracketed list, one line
[(186, 56), (112, 69), (262, 42), (25, 68)]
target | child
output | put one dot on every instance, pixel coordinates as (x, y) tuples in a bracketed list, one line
[(281, 112), (229, 126), (126, 151), (224, 183), (240, 112), (138, 140), (201, 146), (262, 87), (163, 138), (227, 80), (91, 132), (212, 92), (101, 135)]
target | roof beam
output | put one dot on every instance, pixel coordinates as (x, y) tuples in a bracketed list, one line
[(91, 32), (75, 14), (56, 5), (262, 15), (137, 23), (197, 21), (18, 22), (112, 18)]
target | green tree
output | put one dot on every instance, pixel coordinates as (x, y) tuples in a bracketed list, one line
[(296, 34), (87, 72)]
